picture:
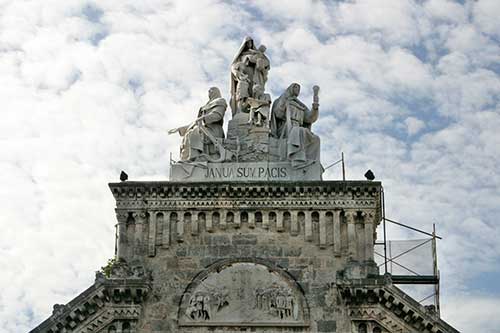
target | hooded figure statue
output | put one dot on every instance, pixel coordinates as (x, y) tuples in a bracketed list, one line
[(242, 75), (198, 138), (291, 120)]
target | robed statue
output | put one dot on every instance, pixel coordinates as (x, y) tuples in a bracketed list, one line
[(249, 67), (202, 140), (291, 121), (259, 107)]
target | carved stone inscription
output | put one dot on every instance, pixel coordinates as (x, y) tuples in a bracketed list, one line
[(243, 293), (263, 171)]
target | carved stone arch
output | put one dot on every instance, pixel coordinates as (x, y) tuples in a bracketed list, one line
[(243, 292)]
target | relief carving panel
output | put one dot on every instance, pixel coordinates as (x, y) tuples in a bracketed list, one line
[(243, 294)]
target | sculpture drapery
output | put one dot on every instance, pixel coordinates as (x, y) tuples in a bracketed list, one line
[(200, 140), (248, 68), (291, 120), (256, 133)]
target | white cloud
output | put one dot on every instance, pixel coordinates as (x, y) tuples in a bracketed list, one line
[(446, 10), (408, 89), (414, 125), (473, 313), (393, 22), (486, 13)]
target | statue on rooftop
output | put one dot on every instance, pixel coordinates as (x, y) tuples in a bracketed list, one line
[(264, 141), (259, 107), (291, 120), (249, 67), (202, 139)]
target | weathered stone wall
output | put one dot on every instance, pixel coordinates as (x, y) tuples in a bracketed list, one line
[(252, 256), (308, 231), (173, 270)]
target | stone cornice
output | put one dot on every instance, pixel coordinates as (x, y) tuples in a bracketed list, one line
[(317, 189), (371, 296), (100, 303), (247, 195)]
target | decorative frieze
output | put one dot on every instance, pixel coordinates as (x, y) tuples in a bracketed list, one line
[(353, 190)]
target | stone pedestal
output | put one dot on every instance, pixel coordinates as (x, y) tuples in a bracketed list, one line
[(258, 171)]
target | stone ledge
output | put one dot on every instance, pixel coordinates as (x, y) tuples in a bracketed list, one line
[(104, 297), (131, 190), (378, 294)]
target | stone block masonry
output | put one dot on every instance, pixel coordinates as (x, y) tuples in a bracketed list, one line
[(249, 254)]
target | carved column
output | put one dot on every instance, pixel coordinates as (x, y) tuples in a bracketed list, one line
[(279, 221), (165, 236), (237, 219), (153, 220), (140, 221), (195, 223), (369, 243), (251, 219), (336, 233), (122, 234), (209, 221), (360, 238), (294, 222), (180, 226), (265, 220), (308, 226), (223, 219), (322, 229), (130, 231), (351, 234)]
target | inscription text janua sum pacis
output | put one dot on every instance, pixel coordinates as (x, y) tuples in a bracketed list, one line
[(246, 172)]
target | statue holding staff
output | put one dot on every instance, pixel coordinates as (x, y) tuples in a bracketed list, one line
[(291, 120), (201, 140)]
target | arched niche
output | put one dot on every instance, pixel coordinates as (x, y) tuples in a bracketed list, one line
[(243, 293)]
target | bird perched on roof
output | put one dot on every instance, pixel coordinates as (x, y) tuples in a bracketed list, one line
[(369, 175), (123, 176)]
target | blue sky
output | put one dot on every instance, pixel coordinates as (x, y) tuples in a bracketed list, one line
[(409, 89)]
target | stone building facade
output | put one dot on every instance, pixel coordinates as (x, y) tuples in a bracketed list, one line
[(246, 236), (254, 256)]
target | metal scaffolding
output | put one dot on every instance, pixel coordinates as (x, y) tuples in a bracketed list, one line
[(397, 262)]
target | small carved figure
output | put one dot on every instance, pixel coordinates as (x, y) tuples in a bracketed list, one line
[(201, 141), (199, 307), (221, 298), (240, 71), (262, 65), (249, 67), (291, 120), (277, 301), (259, 107)]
